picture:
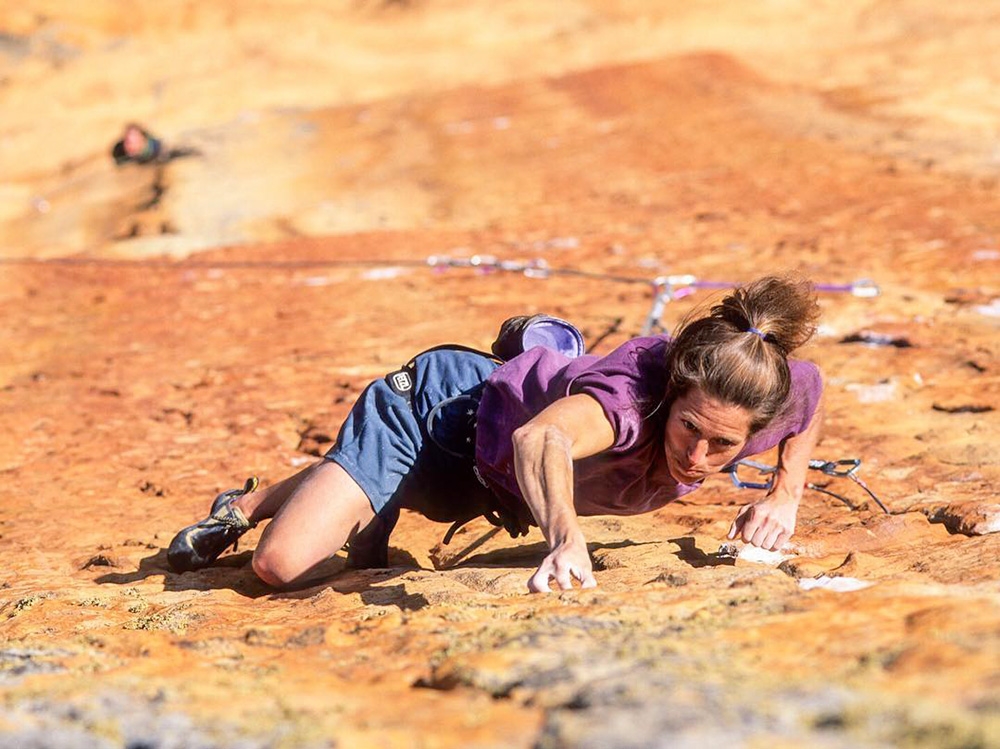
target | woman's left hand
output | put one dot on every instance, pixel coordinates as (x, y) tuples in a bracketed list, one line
[(768, 523)]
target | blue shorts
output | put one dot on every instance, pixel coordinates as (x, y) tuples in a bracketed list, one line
[(387, 447)]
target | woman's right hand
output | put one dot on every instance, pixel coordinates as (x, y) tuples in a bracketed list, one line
[(569, 560), (545, 447)]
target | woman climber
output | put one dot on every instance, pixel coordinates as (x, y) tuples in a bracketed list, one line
[(538, 436)]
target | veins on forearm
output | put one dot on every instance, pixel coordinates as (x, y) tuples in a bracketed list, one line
[(545, 471)]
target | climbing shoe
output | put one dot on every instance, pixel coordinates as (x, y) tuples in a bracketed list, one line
[(200, 544)]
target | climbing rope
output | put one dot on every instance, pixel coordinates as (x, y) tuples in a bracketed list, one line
[(665, 289), (668, 288)]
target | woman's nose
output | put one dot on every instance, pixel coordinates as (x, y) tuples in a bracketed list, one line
[(697, 451)]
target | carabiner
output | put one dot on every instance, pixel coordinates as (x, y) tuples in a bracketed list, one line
[(834, 467), (762, 468)]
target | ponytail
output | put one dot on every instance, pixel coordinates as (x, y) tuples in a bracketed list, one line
[(738, 353)]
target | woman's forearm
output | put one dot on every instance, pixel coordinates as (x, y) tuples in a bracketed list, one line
[(543, 462), (544, 450), (794, 454), (573, 427)]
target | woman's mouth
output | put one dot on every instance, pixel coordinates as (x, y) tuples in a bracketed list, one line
[(686, 474)]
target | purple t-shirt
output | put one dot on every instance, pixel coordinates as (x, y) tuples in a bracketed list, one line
[(631, 477)]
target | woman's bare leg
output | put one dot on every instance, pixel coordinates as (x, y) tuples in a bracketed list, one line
[(323, 508), (263, 504)]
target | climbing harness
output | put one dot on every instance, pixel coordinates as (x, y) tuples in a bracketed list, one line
[(847, 468), (458, 413), (460, 410)]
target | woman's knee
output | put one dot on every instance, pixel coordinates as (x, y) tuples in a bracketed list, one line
[(312, 525), (275, 568)]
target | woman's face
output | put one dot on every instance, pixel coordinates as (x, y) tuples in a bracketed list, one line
[(134, 141), (703, 435)]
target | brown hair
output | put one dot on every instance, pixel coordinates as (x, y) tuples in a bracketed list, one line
[(738, 352)]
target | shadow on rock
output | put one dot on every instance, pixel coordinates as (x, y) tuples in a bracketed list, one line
[(689, 552), (333, 574), (230, 572), (394, 595), (233, 572), (528, 556)]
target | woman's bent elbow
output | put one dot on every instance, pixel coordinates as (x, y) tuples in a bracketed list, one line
[(532, 437)]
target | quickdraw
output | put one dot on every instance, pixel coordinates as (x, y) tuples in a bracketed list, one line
[(847, 468)]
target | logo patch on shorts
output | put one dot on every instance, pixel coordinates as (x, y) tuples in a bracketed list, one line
[(400, 381)]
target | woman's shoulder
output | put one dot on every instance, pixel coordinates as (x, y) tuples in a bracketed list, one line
[(641, 353), (628, 383), (806, 377)]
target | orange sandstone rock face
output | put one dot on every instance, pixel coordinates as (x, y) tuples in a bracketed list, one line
[(638, 140), (970, 518)]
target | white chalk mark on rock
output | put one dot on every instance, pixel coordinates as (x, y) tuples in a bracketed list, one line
[(750, 553), (989, 310), (835, 584), (878, 393)]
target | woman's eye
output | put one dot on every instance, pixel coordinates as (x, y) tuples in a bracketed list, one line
[(724, 444), (689, 425)]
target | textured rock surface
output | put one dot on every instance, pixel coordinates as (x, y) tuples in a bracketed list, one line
[(340, 147), (975, 518)]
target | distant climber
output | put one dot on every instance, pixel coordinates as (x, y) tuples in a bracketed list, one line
[(138, 146)]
